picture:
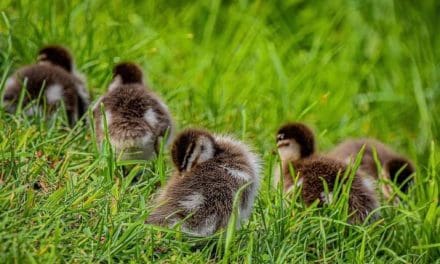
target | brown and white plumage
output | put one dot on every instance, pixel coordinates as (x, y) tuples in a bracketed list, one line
[(210, 169), (395, 167), (362, 198), (296, 146), (295, 141), (52, 80), (137, 119)]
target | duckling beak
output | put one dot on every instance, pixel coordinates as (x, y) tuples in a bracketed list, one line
[(41, 57), (282, 143)]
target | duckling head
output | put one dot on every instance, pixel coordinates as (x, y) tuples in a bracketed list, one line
[(191, 147), (56, 55), (400, 169), (295, 141), (127, 72)]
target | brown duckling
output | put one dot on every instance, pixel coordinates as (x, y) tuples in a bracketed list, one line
[(296, 147), (295, 141), (209, 171), (137, 119), (53, 80), (396, 167)]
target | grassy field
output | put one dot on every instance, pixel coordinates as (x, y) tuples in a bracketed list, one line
[(347, 68)]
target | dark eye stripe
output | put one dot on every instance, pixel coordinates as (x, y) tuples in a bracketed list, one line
[(187, 155), (280, 136)]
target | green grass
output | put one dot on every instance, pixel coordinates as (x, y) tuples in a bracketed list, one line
[(347, 68)]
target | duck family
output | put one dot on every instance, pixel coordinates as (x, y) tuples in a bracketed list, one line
[(213, 174)]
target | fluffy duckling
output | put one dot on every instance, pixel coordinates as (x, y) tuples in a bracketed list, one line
[(295, 142), (395, 167), (137, 118), (296, 147), (210, 169), (54, 79)]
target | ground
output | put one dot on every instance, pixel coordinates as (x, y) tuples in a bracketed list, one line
[(347, 68)]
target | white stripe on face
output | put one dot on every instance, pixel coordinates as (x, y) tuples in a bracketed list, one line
[(206, 149), (116, 82), (202, 151), (193, 156)]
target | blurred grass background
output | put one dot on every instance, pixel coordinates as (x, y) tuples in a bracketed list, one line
[(347, 68)]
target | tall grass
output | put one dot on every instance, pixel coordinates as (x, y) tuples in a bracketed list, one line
[(348, 68)]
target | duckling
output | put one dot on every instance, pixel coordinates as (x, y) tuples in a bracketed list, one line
[(137, 119), (295, 141), (395, 167), (209, 170), (362, 199), (54, 79), (296, 147)]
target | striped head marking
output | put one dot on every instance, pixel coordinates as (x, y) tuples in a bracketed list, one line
[(192, 147)]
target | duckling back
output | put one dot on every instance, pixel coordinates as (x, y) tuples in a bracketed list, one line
[(136, 118), (315, 171), (202, 198)]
